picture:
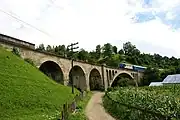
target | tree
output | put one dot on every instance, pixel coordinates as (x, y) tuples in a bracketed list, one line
[(114, 48), (121, 52), (49, 48), (60, 50), (130, 49), (107, 50), (115, 60), (151, 75), (98, 51), (41, 47), (83, 55), (92, 57)]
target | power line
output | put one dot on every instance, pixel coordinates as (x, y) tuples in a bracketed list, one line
[(25, 22)]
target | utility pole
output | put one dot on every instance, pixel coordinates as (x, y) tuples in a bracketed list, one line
[(72, 48)]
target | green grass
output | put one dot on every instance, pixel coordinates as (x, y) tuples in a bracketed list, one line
[(26, 93), (81, 105)]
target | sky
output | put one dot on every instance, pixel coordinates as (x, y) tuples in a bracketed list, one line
[(152, 25)]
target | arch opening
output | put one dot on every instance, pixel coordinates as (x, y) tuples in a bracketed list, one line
[(113, 73), (52, 70), (107, 76), (110, 75), (78, 76), (122, 80), (95, 80)]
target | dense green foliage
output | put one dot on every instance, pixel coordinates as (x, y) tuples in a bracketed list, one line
[(16, 51), (112, 56), (152, 103), (123, 82), (26, 93), (151, 75), (81, 105)]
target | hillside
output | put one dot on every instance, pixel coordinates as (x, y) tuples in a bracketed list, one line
[(26, 93)]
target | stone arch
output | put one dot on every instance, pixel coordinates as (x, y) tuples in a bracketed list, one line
[(52, 70), (123, 74), (95, 81), (77, 74), (110, 75)]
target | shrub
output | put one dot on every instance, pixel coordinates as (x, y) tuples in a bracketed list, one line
[(30, 61), (16, 51), (109, 89), (101, 87), (152, 103)]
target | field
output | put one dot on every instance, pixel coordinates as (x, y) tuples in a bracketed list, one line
[(26, 93), (152, 103)]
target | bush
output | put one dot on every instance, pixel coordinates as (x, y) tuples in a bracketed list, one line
[(152, 103), (101, 87), (16, 51), (30, 61), (109, 89), (123, 82)]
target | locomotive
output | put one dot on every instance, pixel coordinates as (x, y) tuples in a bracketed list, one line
[(132, 67)]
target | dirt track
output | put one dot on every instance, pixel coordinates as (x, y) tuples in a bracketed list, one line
[(95, 109)]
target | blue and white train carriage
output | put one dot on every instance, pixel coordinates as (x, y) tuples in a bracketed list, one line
[(132, 67), (139, 68)]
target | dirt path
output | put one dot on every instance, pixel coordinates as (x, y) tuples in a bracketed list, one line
[(95, 110)]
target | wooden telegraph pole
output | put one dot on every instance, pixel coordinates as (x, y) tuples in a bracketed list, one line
[(72, 48)]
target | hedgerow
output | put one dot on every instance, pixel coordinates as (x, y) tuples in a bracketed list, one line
[(152, 103)]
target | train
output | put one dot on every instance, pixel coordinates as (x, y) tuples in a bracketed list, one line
[(132, 67)]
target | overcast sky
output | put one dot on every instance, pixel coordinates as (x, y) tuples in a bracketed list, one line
[(152, 25)]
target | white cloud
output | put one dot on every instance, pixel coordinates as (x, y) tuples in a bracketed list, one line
[(164, 5), (170, 16), (90, 22)]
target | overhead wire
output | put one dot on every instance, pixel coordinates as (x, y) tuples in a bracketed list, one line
[(18, 19)]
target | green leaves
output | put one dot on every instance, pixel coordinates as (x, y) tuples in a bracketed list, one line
[(160, 102), (151, 75)]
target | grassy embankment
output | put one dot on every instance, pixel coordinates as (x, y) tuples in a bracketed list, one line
[(26, 93)]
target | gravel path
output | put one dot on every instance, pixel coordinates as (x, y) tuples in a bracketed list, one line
[(95, 109)]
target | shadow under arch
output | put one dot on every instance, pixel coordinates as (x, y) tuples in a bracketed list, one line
[(52, 70), (117, 78), (78, 76), (95, 81)]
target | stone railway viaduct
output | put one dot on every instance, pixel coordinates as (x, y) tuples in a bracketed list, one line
[(85, 76)]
